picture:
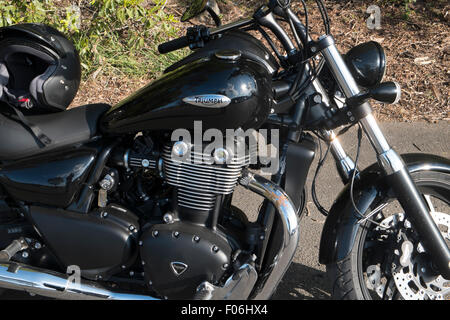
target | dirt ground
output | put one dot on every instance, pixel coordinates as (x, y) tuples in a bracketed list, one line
[(417, 49)]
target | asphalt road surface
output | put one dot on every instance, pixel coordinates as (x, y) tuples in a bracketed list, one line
[(306, 278)]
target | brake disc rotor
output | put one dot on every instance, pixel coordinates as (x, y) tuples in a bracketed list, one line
[(411, 272)]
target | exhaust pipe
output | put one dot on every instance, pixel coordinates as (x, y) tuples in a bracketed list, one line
[(288, 216), (56, 285)]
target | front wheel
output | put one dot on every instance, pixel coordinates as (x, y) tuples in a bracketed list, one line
[(387, 260)]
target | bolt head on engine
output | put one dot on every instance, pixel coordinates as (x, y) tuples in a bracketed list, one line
[(180, 149), (221, 155)]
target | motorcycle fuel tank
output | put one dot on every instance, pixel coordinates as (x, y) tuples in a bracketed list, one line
[(224, 91)]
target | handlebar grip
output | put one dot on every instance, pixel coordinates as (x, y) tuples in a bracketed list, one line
[(173, 45)]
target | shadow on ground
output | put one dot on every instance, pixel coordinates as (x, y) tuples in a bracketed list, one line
[(303, 283)]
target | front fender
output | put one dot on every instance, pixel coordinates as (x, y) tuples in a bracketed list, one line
[(339, 232)]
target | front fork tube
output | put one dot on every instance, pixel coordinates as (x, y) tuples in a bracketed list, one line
[(394, 168), (409, 197), (344, 163)]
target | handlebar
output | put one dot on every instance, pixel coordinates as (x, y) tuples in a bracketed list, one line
[(263, 16), (206, 34), (173, 45)]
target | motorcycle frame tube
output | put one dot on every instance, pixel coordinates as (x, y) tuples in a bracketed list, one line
[(84, 201), (393, 166), (290, 234)]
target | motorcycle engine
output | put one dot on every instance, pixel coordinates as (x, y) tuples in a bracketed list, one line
[(190, 247)]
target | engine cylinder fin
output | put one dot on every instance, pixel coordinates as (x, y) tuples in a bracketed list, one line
[(199, 180), (195, 200)]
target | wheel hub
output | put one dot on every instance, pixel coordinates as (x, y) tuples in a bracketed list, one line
[(411, 270)]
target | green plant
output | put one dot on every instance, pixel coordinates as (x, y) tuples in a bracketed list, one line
[(406, 5), (408, 10), (112, 36)]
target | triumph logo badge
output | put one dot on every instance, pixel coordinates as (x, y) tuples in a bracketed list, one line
[(178, 268), (208, 101)]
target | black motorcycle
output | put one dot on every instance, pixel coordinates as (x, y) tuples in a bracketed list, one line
[(102, 202)]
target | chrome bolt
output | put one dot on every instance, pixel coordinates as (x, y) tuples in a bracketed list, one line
[(145, 163), (196, 239), (124, 267), (226, 265), (168, 218), (131, 228), (215, 249), (143, 262), (155, 233), (140, 243), (37, 245), (25, 254), (261, 237), (176, 234), (131, 273), (104, 214), (150, 283)]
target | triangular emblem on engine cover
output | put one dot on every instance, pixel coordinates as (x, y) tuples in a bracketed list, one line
[(178, 268)]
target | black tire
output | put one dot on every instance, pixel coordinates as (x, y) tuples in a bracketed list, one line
[(346, 276)]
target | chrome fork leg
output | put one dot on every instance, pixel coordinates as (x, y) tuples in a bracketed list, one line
[(344, 163), (395, 169), (409, 197)]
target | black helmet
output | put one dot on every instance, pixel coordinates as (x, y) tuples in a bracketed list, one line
[(39, 68)]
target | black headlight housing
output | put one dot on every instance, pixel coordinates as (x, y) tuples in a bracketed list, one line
[(367, 63)]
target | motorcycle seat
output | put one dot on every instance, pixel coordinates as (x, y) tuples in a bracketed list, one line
[(63, 128)]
